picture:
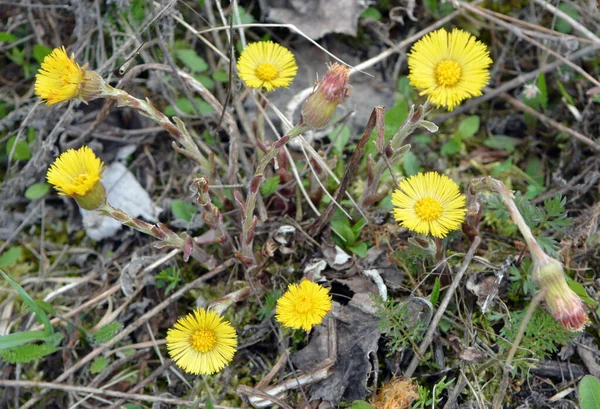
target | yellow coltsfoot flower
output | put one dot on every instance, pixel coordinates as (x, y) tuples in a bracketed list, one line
[(303, 306), (61, 79), (77, 174), (202, 342), (266, 65), (429, 203), (449, 67)]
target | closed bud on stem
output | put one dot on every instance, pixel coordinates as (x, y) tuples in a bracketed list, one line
[(327, 94), (563, 303)]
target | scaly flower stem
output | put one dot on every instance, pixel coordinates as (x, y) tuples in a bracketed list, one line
[(248, 219), (414, 120), (176, 127), (160, 231), (508, 197)]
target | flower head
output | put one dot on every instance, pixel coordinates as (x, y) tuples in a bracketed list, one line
[(266, 65), (202, 342), (449, 67), (77, 173), (397, 393), (429, 203), (303, 306), (326, 96), (60, 79), (563, 303)]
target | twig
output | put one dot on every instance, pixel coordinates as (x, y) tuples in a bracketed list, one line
[(443, 305), (519, 105), (513, 350), (576, 25), (46, 386), (325, 218), (138, 323)]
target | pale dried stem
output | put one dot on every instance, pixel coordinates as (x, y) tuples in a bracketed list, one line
[(442, 309), (48, 386), (497, 403)]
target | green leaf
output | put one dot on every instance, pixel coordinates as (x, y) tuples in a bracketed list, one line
[(589, 392), (502, 142), (183, 210), (7, 37), (361, 404), (245, 18), (270, 186), (340, 137), (543, 95), (580, 291), (342, 227), (99, 365), (10, 256), (26, 353), (40, 315), (565, 94), (220, 76), (360, 249), (21, 338), (204, 80), (411, 164), (192, 60), (451, 147), (40, 52), (186, 107), (208, 404), (468, 127), (371, 13), (21, 149), (37, 191), (394, 118), (106, 333), (561, 25), (435, 293)]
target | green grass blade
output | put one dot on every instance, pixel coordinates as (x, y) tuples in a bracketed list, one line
[(39, 313), (20, 338)]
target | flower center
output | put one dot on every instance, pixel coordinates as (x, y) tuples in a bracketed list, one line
[(447, 73), (203, 340), (428, 209), (81, 180), (266, 71), (303, 305)]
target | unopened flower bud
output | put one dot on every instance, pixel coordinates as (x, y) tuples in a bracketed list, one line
[(562, 302), (327, 94)]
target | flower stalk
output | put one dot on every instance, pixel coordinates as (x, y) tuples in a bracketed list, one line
[(160, 231), (249, 221), (561, 301), (393, 151), (176, 128)]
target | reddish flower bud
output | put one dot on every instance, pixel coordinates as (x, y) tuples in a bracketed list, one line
[(326, 96), (562, 302)]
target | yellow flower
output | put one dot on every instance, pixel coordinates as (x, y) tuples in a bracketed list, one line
[(77, 173), (202, 342), (266, 64), (429, 203), (60, 79), (449, 67), (303, 306)]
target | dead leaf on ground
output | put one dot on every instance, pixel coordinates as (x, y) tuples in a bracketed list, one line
[(315, 18), (357, 338)]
